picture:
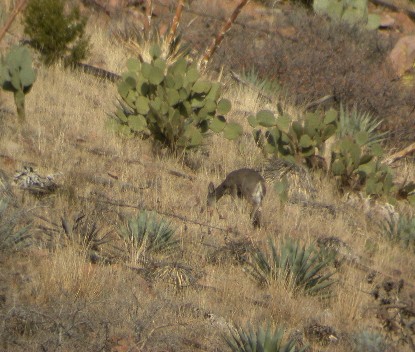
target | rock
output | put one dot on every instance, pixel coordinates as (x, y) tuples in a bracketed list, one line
[(404, 23), (402, 56), (387, 21)]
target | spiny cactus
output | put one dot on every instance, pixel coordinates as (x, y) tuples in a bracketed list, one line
[(17, 76), (301, 269), (267, 340), (293, 140), (171, 102), (349, 11), (359, 166), (147, 233)]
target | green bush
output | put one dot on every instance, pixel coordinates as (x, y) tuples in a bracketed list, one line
[(17, 76), (171, 102), (53, 33), (147, 234), (248, 340), (298, 268)]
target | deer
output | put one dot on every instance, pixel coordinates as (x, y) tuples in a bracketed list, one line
[(243, 183)]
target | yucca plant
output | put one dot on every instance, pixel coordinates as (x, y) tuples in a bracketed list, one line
[(260, 340), (265, 85), (353, 121), (78, 229), (148, 234), (298, 267), (369, 341), (400, 230), (12, 236)]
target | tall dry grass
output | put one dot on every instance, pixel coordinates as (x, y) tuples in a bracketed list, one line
[(117, 305)]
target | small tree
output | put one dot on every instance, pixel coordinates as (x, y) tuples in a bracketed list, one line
[(53, 33)]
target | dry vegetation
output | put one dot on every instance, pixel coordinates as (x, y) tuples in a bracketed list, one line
[(56, 295)]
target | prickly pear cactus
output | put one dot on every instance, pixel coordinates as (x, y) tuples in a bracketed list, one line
[(172, 102), (17, 76), (292, 140), (359, 166), (350, 11)]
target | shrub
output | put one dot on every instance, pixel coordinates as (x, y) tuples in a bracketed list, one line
[(146, 233), (17, 76), (400, 231), (12, 236), (298, 268), (353, 121), (53, 33), (248, 340), (369, 341), (171, 102)]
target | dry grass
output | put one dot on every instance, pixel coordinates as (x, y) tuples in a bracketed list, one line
[(55, 299)]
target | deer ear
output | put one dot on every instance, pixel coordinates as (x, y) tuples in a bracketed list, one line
[(211, 188)]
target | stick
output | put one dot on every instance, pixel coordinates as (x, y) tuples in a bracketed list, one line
[(218, 40), (401, 154), (175, 23)]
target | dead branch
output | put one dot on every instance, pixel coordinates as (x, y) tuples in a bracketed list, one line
[(149, 14), (13, 15), (218, 40), (180, 217), (175, 23), (401, 154)]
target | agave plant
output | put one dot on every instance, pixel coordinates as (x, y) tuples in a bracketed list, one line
[(11, 235), (146, 233), (298, 268), (352, 122), (268, 86), (261, 340), (369, 341), (400, 230)]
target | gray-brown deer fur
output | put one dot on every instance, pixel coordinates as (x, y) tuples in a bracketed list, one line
[(242, 183)]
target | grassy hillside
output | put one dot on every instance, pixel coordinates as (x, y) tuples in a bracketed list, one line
[(63, 293)]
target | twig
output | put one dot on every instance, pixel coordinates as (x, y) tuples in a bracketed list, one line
[(319, 101), (218, 40), (149, 14), (401, 154), (175, 23), (180, 217), (13, 15)]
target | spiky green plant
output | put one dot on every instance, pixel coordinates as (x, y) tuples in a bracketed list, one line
[(148, 234), (12, 236), (353, 121), (260, 340), (400, 230), (298, 267), (55, 34), (265, 85), (369, 341)]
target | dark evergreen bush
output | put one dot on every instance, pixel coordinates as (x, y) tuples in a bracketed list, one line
[(57, 34)]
